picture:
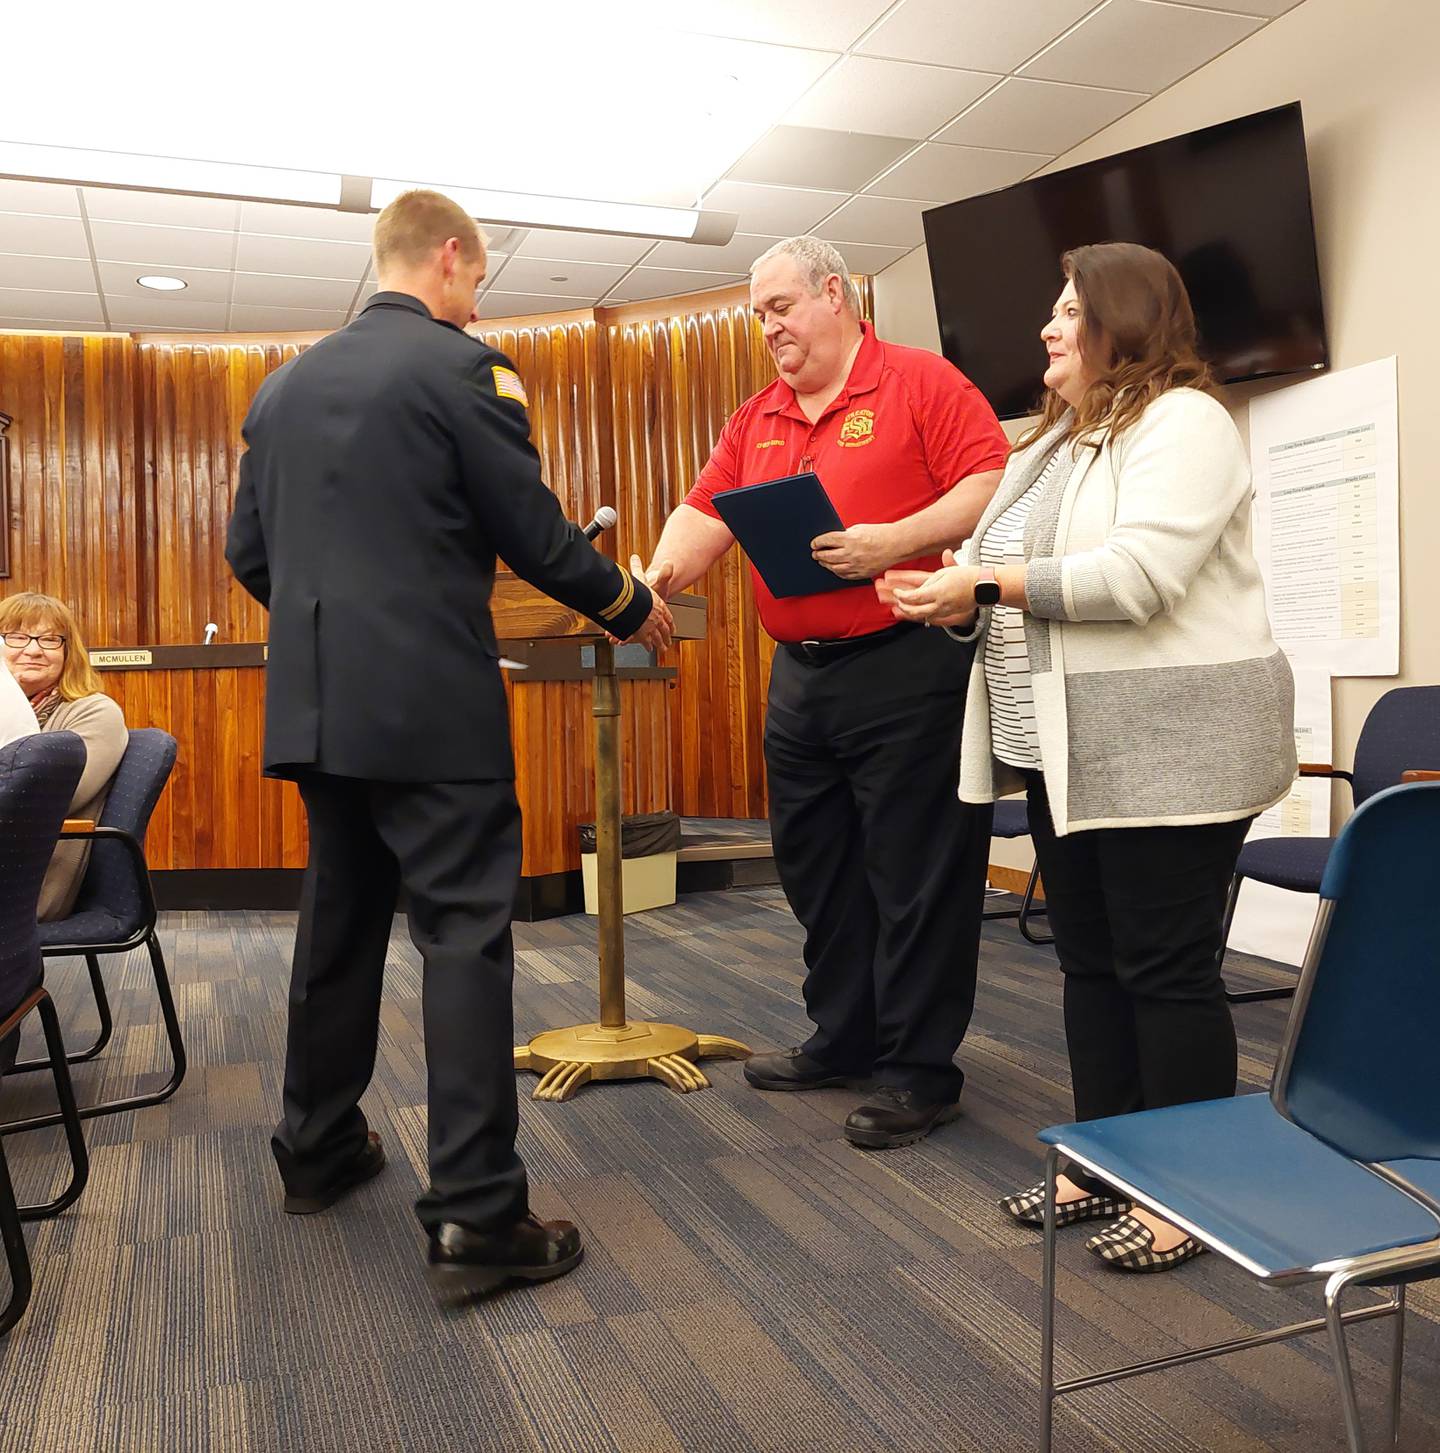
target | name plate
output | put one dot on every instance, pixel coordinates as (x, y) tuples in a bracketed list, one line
[(121, 658)]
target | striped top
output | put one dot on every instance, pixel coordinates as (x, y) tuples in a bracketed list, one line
[(1014, 738)]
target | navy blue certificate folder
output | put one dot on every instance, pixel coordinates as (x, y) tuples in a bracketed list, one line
[(775, 523)]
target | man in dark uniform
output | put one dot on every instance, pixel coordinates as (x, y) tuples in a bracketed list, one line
[(882, 863), (387, 467)]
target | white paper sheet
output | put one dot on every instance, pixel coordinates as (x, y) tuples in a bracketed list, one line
[(1274, 922), (1324, 455)]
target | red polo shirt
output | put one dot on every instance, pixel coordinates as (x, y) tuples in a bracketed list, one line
[(906, 427)]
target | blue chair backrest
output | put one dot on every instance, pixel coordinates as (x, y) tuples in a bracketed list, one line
[(110, 883), (1401, 732), (38, 777), (1358, 1069)]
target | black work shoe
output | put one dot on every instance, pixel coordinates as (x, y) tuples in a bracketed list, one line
[(892, 1117), (791, 1069), (467, 1263), (366, 1166)]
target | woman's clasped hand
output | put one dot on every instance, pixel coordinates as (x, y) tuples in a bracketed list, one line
[(944, 597)]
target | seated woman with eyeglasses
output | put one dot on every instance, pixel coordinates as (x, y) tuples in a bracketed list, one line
[(41, 645)]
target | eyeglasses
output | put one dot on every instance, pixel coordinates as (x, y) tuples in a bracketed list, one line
[(19, 640)]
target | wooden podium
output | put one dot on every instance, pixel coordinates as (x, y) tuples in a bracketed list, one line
[(614, 1048)]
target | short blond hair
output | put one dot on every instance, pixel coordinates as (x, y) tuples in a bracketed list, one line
[(417, 223), (816, 260), (31, 611)]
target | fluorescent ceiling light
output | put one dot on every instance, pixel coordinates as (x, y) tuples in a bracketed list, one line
[(574, 214), (161, 284), (166, 174)]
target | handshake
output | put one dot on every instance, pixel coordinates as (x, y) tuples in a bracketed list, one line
[(659, 627)]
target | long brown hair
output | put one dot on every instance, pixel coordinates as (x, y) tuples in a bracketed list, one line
[(31, 611), (1136, 337)]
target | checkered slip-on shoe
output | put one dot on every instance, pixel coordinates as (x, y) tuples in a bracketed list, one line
[(1028, 1207), (1129, 1245)]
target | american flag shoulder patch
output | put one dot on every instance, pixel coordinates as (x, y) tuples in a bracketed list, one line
[(509, 386)]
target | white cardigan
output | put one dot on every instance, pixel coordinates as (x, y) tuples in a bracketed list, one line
[(1161, 697)]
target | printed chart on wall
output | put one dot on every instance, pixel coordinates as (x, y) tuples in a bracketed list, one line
[(1324, 455)]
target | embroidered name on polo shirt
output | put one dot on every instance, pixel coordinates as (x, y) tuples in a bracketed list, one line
[(770, 444), (857, 428), (508, 385)]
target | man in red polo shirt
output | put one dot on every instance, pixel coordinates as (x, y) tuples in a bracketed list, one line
[(882, 863)]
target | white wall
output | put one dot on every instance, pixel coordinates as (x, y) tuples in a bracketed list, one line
[(1367, 76)]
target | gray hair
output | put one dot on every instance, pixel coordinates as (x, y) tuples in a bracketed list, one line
[(816, 261)]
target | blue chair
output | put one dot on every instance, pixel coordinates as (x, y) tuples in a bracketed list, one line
[(1401, 733), (1335, 1176), (1012, 819), (38, 777), (115, 912)]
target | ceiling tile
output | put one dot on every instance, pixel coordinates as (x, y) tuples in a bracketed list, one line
[(43, 236), (65, 274), (834, 26), (584, 246), (245, 318), (565, 279), (1268, 8), (274, 290), (80, 306), (160, 248), (496, 304), (166, 310), (104, 204), (1138, 45), (59, 325), (805, 156), (45, 199), (880, 220), (301, 257), (937, 173), (118, 279), (866, 257), (888, 98), (657, 282), (735, 256), (980, 35), (275, 220), (773, 211), (1038, 116)]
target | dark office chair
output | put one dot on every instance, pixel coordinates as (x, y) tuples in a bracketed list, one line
[(38, 777), (1335, 1176), (1012, 819), (1401, 732), (115, 912)]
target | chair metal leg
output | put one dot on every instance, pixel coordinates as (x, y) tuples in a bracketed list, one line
[(74, 1133), (130, 1102), (1355, 1433), (1028, 910), (102, 1038), (17, 1258), (1243, 996), (1397, 1365), (1047, 1313)]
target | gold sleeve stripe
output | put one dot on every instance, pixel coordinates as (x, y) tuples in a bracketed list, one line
[(622, 601)]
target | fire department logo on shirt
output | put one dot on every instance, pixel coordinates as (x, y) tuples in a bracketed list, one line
[(857, 428)]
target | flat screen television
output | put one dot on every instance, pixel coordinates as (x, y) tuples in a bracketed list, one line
[(1229, 205)]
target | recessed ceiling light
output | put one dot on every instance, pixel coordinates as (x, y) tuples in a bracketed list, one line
[(161, 284)]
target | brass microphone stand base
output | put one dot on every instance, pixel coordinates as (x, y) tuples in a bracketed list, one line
[(565, 1059)]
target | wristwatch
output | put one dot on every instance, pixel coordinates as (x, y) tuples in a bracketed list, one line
[(987, 588)]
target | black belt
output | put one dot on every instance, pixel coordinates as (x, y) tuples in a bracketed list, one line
[(815, 652)]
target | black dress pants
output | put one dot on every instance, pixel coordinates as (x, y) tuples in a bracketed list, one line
[(1138, 916), (882, 863), (455, 846)]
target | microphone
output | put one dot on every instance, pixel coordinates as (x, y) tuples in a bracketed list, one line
[(211, 631), (605, 517)]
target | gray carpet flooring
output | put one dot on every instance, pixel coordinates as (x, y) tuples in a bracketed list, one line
[(753, 1283)]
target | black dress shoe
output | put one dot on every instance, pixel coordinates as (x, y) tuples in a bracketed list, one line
[(468, 1263), (366, 1166), (791, 1069), (892, 1117)]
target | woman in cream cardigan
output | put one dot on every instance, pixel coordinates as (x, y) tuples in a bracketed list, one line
[(1129, 683), (40, 644)]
